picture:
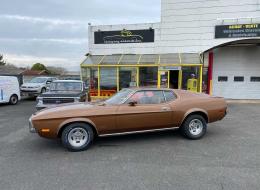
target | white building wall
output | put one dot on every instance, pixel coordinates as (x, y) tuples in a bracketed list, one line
[(186, 26), (189, 25)]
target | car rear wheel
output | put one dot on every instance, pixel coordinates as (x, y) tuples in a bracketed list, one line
[(13, 99), (194, 127), (77, 137)]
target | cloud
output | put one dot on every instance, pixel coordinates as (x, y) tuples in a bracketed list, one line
[(52, 21), (56, 31), (28, 60), (75, 41)]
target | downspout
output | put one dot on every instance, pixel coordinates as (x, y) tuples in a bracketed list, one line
[(210, 72)]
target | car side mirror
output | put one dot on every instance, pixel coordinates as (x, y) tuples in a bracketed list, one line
[(48, 82), (133, 103)]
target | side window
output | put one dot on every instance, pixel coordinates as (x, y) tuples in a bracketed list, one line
[(147, 97), (222, 79), (255, 79), (169, 96), (48, 81), (238, 79)]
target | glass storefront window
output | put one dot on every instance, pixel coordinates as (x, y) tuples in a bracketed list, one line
[(90, 77), (148, 76), (127, 77), (108, 80), (190, 78)]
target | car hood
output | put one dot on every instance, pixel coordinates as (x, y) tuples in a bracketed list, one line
[(69, 110), (61, 94), (32, 84)]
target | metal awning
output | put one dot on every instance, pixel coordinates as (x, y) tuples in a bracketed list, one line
[(146, 59)]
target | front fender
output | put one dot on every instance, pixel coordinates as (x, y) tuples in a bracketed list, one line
[(72, 120)]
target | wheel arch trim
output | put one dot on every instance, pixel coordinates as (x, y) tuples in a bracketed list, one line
[(75, 120), (194, 111)]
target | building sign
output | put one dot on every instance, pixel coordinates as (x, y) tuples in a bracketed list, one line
[(124, 36), (237, 31)]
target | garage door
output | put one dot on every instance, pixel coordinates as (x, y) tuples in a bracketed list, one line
[(236, 72)]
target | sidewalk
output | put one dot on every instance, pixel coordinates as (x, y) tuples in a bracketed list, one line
[(243, 101)]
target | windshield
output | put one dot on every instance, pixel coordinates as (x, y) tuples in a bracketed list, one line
[(119, 97), (38, 80), (66, 86)]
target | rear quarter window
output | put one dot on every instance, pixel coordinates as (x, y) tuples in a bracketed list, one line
[(169, 96)]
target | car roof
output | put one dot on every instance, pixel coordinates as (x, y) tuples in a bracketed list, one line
[(67, 81), (149, 88), (45, 77)]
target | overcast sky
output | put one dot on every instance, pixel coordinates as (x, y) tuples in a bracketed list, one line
[(54, 32)]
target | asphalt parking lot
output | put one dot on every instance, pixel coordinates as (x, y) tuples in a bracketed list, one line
[(228, 157)]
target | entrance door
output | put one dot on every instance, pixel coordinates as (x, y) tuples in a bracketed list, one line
[(174, 79), (164, 79)]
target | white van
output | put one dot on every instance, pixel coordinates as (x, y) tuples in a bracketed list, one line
[(9, 90)]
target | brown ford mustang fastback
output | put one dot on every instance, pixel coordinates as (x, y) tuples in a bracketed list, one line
[(129, 111)]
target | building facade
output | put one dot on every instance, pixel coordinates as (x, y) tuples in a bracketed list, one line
[(225, 36)]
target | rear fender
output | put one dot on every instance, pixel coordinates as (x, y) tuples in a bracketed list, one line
[(194, 110)]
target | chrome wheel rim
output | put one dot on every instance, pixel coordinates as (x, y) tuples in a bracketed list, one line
[(195, 127), (78, 137)]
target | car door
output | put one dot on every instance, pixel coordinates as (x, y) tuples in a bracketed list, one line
[(150, 112)]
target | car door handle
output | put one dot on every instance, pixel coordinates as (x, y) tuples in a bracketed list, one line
[(165, 109)]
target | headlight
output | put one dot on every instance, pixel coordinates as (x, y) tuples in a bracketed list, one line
[(40, 101), (76, 99)]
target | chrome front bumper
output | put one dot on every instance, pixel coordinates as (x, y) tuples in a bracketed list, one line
[(31, 127)]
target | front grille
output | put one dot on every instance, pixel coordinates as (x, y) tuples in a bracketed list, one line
[(32, 91), (57, 100)]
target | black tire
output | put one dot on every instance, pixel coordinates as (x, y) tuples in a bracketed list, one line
[(43, 90), (70, 142), (13, 99), (195, 131)]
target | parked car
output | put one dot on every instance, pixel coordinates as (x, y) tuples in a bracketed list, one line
[(36, 86), (62, 91), (129, 111), (9, 90)]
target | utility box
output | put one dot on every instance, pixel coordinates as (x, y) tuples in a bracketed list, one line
[(192, 85)]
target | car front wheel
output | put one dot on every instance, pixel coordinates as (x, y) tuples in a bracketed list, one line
[(77, 137), (13, 100), (194, 127)]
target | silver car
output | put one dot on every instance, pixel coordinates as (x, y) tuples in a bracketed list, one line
[(36, 86)]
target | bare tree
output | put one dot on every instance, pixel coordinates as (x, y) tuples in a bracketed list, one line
[(56, 70)]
